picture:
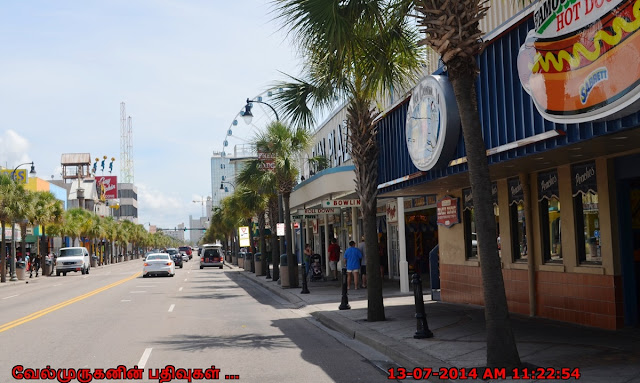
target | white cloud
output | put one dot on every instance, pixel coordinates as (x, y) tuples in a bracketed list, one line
[(13, 149)]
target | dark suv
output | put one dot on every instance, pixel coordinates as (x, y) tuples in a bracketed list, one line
[(176, 256), (186, 250)]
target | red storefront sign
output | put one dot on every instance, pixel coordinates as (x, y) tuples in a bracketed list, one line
[(448, 211)]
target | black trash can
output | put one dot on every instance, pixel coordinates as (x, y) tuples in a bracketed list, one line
[(284, 271), (248, 262)]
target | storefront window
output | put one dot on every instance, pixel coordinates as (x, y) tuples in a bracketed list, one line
[(469, 221), (518, 224), (585, 203), (549, 208)]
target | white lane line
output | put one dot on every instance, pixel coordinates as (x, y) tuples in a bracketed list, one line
[(144, 358), (185, 279), (126, 300), (171, 308), (188, 272), (180, 289), (13, 296), (134, 292), (147, 286), (59, 284)]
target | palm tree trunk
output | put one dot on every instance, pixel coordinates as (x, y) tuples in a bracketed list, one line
[(364, 151), (501, 345), (275, 249), (263, 241), (3, 254), (292, 260)]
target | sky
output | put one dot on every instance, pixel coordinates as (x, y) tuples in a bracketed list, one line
[(184, 69)]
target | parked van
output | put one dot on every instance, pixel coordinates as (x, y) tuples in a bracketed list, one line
[(73, 259)]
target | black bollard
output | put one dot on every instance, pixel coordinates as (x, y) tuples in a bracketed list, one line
[(344, 305), (422, 327), (305, 289)]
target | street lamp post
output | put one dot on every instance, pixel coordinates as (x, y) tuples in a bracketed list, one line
[(13, 276), (247, 116)]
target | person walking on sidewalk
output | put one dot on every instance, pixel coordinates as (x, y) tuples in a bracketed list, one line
[(352, 257), (334, 257), (363, 262)]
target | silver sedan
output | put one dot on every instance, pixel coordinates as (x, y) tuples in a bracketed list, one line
[(158, 264)]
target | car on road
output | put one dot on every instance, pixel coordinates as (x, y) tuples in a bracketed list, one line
[(158, 264), (186, 250), (73, 259), (211, 256), (177, 259), (174, 252)]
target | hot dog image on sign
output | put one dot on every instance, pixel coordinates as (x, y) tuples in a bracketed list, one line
[(580, 63)]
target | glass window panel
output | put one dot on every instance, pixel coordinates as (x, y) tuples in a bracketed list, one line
[(518, 232), (591, 229)]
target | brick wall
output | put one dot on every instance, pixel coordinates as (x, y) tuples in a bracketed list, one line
[(591, 300)]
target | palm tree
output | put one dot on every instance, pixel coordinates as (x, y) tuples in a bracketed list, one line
[(255, 203), (255, 177), (356, 51), (24, 215), (288, 145), (48, 210), (451, 29), (6, 194)]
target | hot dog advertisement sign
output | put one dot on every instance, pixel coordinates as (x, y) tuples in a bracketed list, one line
[(580, 63)]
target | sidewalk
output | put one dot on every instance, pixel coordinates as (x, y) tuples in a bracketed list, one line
[(459, 333)]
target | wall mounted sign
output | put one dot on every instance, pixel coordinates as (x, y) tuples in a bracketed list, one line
[(433, 123), (448, 213), (107, 187), (333, 146), (548, 185), (280, 229), (267, 161), (22, 176), (516, 194), (467, 197), (392, 212), (575, 63), (341, 203), (583, 178), (322, 210)]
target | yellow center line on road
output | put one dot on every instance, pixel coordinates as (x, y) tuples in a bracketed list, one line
[(53, 308)]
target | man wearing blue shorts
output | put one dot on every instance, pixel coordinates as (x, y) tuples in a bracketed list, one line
[(352, 257)]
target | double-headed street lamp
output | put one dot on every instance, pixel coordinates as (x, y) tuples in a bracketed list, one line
[(224, 188), (13, 276)]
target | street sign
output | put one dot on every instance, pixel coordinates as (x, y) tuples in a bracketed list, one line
[(245, 237), (300, 217), (341, 203), (330, 210), (280, 229)]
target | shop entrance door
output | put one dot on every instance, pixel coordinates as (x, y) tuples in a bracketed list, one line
[(394, 252), (628, 200)]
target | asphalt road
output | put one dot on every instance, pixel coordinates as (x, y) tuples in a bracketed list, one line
[(197, 319)]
